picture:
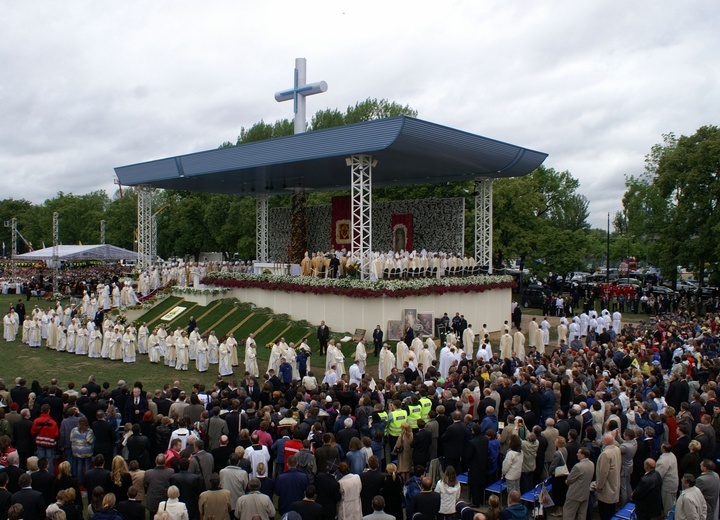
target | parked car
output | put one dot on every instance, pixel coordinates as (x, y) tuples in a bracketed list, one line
[(660, 289), (534, 295)]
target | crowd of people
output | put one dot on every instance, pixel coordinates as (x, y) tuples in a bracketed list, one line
[(599, 411)]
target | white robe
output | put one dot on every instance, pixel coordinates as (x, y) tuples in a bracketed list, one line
[(275, 355), (251, 357), (402, 354), (213, 346), (545, 326), (361, 355), (532, 333), (143, 339), (519, 345), (506, 341), (468, 339), (154, 348), (446, 359), (225, 365), (10, 331), (201, 359), (350, 507), (386, 363)]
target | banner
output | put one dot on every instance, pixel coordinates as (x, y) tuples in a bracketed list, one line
[(341, 233)]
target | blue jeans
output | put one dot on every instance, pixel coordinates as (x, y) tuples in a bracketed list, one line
[(48, 453), (79, 467)]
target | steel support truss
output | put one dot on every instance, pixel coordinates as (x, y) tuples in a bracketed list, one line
[(145, 236), (261, 228), (361, 210), (102, 232), (56, 251), (13, 252), (483, 223)]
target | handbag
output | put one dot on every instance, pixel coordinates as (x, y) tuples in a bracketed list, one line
[(562, 471)]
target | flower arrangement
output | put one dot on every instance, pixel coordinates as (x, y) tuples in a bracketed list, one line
[(353, 288), (204, 292), (121, 319), (270, 345)]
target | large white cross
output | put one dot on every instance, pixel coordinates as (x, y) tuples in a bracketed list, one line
[(299, 92)]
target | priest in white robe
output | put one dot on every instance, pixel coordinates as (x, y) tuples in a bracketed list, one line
[(506, 341), (232, 345), (339, 360), (386, 362), (225, 360), (532, 332), (361, 355), (10, 327), (468, 340), (416, 346), (154, 348), (545, 326), (519, 345), (402, 353), (430, 344), (201, 360), (562, 332), (275, 355), (484, 353), (95, 343), (425, 358), (446, 359), (143, 339), (251, 356)]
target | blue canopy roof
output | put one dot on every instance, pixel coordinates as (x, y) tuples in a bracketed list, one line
[(408, 151)]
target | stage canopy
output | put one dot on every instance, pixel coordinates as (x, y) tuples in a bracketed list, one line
[(101, 252), (408, 151)]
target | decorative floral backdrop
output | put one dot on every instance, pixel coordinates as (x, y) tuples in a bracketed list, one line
[(438, 225)]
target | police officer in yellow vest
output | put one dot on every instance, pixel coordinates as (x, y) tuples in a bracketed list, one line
[(396, 417), (426, 404), (414, 410)]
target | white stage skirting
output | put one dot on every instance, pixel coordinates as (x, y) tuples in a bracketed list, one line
[(344, 314)]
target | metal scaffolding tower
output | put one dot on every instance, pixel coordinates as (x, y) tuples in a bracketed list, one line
[(261, 228), (102, 232), (361, 210), (13, 254), (145, 246), (56, 251), (483, 222)]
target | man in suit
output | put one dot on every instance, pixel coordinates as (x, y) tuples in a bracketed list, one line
[(453, 441), (156, 482), (135, 407), (42, 480), (421, 443), (476, 458), (5, 495), (32, 501), (105, 436), (202, 463), (409, 335), (378, 508), (377, 340), (98, 476), (426, 502), (13, 472), (252, 389), (20, 392), (709, 483), (648, 493), (691, 503), (307, 508), (190, 486), (132, 508), (578, 483), (92, 386), (608, 477), (323, 335), (372, 482)]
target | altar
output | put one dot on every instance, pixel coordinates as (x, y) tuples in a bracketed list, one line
[(276, 268)]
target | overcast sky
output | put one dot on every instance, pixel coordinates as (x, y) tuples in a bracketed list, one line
[(86, 86)]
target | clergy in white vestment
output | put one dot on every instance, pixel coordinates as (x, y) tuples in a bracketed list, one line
[(143, 339), (26, 330), (425, 358), (232, 345), (484, 353), (129, 346), (574, 328), (170, 352), (506, 341), (451, 338), (519, 345), (331, 376), (72, 336), (355, 373), (182, 351), (52, 331), (386, 362), (192, 343), (468, 340), (213, 348), (201, 360), (115, 296), (562, 332), (44, 322), (225, 362), (154, 348), (10, 327), (339, 360), (275, 355), (350, 507), (81, 343), (446, 359), (584, 321), (532, 332), (545, 326), (291, 357), (402, 353), (430, 344), (416, 346), (61, 338), (95, 343), (539, 344), (251, 356), (616, 321), (361, 355), (330, 354)]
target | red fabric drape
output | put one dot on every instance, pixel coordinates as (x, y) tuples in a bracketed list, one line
[(341, 223)]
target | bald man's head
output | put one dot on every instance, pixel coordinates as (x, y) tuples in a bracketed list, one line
[(607, 439)]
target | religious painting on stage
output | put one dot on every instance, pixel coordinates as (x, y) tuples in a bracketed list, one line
[(425, 321), (402, 232), (394, 330), (409, 317), (342, 232), (341, 223)]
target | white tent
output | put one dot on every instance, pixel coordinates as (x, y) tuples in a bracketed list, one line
[(98, 252)]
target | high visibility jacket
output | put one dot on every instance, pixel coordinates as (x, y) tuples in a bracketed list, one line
[(426, 407), (414, 413), (395, 420)]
